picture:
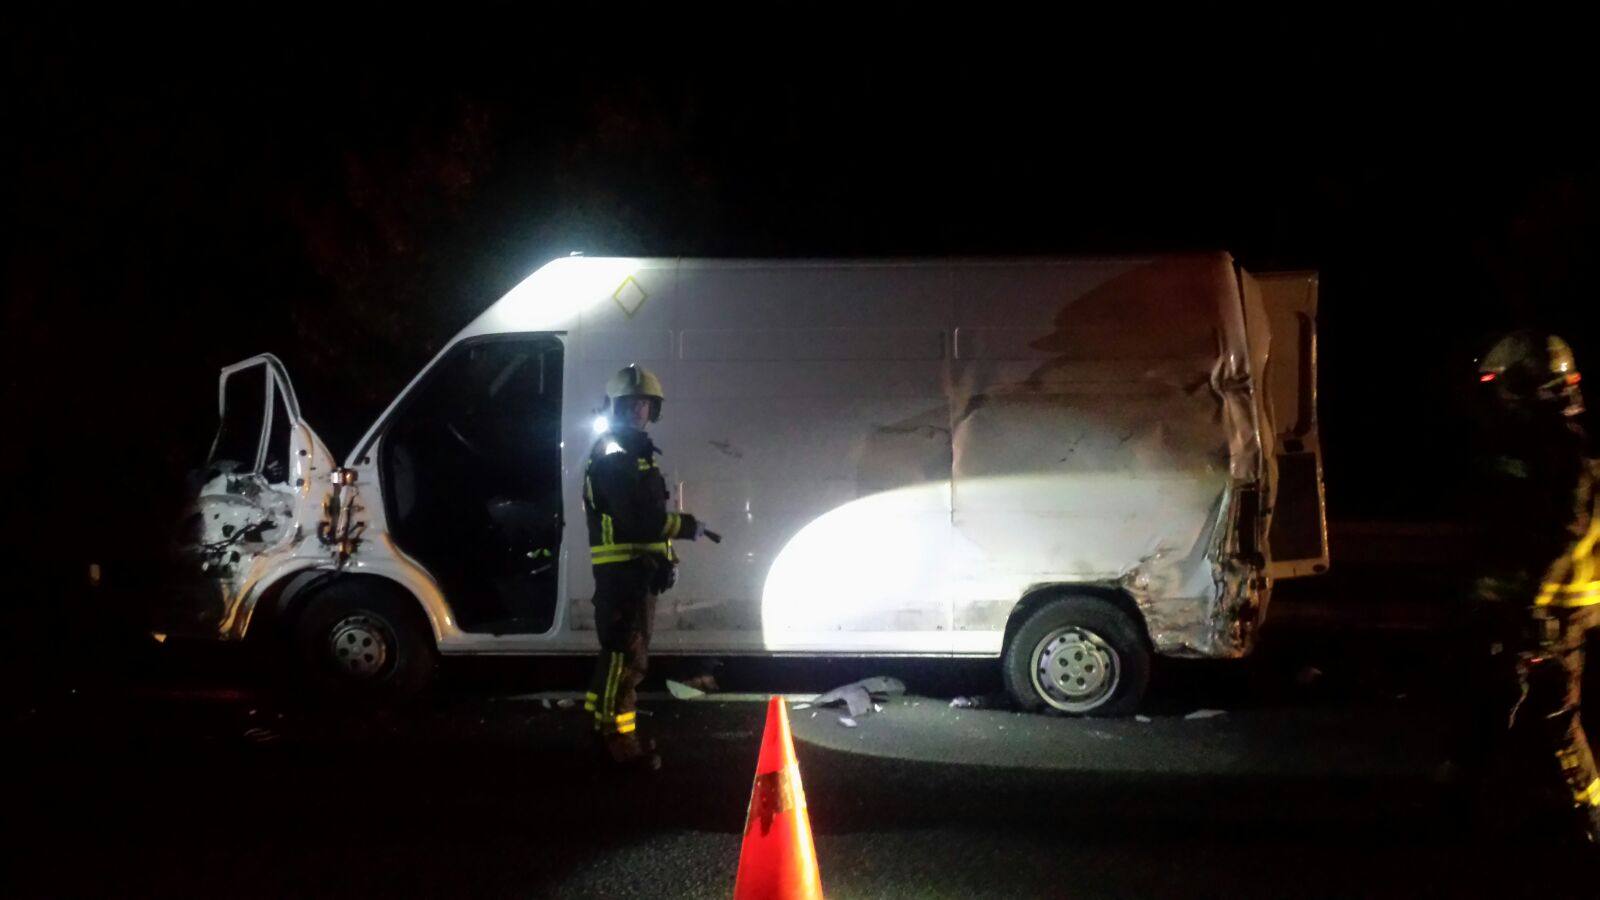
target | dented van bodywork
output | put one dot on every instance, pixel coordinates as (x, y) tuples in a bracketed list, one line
[(897, 453)]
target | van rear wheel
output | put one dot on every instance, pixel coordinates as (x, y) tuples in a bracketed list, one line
[(1078, 656), (356, 641)]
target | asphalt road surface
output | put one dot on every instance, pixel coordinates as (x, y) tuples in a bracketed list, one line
[(1334, 767)]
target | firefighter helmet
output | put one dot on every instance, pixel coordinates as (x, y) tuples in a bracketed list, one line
[(636, 381), (1528, 366)]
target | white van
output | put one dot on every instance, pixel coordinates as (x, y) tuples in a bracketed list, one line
[(1066, 465)]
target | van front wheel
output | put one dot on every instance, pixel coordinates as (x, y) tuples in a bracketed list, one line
[(1078, 656), (357, 642)]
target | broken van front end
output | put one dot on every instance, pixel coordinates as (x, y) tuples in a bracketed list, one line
[(267, 484)]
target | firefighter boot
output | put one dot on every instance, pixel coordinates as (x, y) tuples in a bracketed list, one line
[(628, 752)]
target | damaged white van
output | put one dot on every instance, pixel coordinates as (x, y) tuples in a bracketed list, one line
[(1065, 465)]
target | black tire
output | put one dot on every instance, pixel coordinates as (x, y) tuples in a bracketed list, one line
[(1081, 639), (357, 641)]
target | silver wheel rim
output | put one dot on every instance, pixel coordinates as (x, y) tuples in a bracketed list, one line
[(360, 645), (1075, 670)]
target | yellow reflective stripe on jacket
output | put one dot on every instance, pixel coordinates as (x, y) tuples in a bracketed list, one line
[(605, 528), (610, 553), (1585, 593), (1573, 579), (1589, 796), (672, 526), (646, 465)]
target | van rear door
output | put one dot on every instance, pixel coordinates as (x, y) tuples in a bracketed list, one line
[(1297, 539)]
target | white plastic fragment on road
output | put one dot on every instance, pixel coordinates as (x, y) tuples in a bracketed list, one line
[(681, 691), (1145, 719), (847, 722), (1206, 713), (862, 697)]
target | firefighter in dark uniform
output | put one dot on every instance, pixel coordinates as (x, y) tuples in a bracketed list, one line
[(630, 546), (1541, 553)]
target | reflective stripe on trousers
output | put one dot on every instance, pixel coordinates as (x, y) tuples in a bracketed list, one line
[(623, 608), (607, 719)]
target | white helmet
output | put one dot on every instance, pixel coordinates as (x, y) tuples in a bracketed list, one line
[(636, 381)]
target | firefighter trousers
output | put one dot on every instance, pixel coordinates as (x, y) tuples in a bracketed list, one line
[(1561, 637), (624, 609)]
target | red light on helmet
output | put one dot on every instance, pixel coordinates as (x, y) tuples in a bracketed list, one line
[(1486, 377)]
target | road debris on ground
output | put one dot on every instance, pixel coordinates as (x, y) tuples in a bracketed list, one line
[(859, 698), (681, 691), (1206, 713)]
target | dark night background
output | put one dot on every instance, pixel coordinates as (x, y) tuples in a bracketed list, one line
[(348, 191)]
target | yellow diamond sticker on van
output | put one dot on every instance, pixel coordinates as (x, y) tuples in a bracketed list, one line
[(629, 296)]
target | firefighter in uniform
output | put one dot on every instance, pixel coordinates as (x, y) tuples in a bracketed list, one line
[(630, 546), (1544, 525)]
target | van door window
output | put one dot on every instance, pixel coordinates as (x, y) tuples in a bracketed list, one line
[(244, 414), (471, 466)]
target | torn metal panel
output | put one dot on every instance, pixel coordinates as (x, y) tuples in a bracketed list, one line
[(861, 697), (237, 517), (251, 517), (1104, 439), (1208, 603)]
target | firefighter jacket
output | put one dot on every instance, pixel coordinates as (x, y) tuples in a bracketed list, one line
[(1573, 580), (1542, 510), (625, 501)]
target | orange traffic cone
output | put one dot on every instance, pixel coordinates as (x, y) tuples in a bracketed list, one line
[(778, 859)]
